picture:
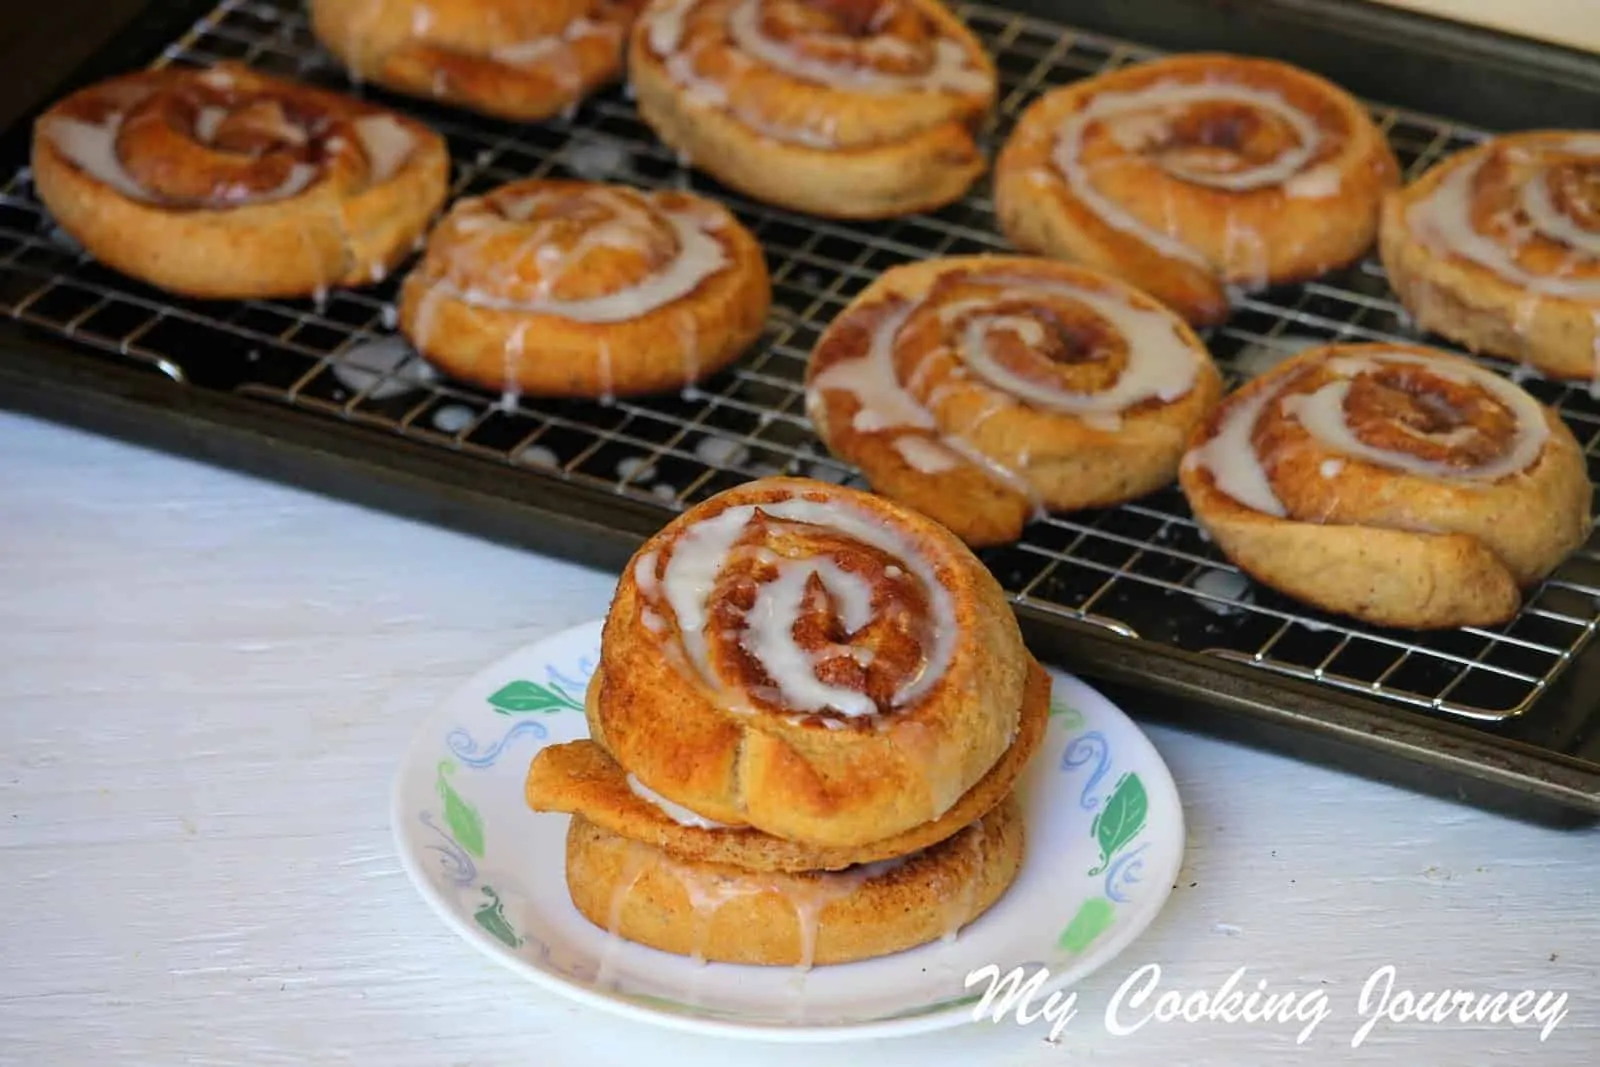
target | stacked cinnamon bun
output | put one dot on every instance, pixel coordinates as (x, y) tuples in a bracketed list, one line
[(811, 708)]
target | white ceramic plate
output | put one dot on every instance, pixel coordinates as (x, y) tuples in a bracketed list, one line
[(1105, 839)]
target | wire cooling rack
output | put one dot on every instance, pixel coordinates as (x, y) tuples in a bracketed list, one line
[(1143, 570)]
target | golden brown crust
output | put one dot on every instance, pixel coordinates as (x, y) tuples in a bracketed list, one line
[(1102, 388), (514, 60), (908, 638), (1431, 521), (793, 109), (1540, 304), (1187, 237), (581, 778), (229, 184), (723, 913), (581, 289)]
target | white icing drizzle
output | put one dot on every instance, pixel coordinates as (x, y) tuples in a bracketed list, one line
[(770, 634), (1132, 110), (1594, 382), (539, 49), (207, 121), (1239, 472), (721, 452), (1227, 586), (511, 358), (810, 896), (1231, 457), (676, 812), (951, 67), (1159, 365), (665, 25), (700, 255), (1444, 220), (871, 379), (703, 550), (925, 454), (93, 148), (1322, 414), (383, 368), (1548, 219), (386, 142), (1316, 183)]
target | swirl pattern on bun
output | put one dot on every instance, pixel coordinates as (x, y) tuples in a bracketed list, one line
[(845, 108), (582, 289), (1399, 485), (1498, 249), (1196, 174), (224, 183), (986, 390)]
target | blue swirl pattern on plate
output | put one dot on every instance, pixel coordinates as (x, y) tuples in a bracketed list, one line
[(466, 749)]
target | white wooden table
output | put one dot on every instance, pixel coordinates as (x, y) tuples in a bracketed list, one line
[(207, 682)]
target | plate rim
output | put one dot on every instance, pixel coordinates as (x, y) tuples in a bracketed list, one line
[(773, 1032)]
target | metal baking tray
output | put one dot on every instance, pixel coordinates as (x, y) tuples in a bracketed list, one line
[(1131, 597)]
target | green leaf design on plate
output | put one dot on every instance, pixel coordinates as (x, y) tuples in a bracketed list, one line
[(492, 918), (1121, 819), (520, 697), (1070, 716), (1094, 915), (463, 818)]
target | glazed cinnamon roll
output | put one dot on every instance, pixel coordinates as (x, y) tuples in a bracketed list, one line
[(813, 662), (1398, 485), (514, 60), (1498, 249), (225, 183), (985, 390), (1193, 175), (859, 109), (581, 289)]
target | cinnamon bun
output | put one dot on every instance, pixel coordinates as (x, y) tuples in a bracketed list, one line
[(1195, 174), (1498, 249), (1398, 485), (582, 289), (225, 183), (711, 911), (985, 390), (509, 59), (811, 661), (861, 109)]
